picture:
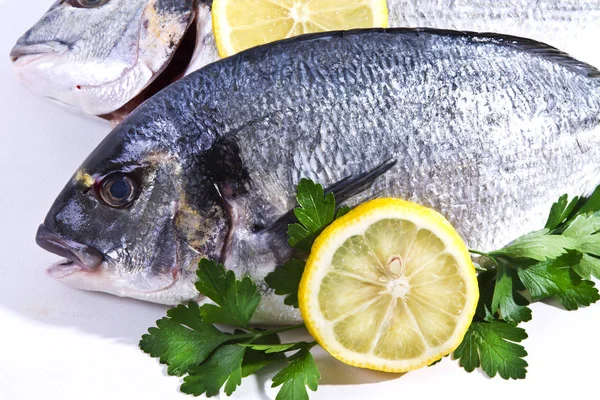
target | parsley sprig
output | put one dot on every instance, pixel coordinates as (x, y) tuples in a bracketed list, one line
[(190, 344), (555, 262), (315, 212)]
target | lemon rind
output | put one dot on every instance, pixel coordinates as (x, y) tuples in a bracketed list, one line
[(364, 216)]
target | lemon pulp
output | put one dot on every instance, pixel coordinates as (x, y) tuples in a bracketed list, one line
[(241, 24), (389, 286)]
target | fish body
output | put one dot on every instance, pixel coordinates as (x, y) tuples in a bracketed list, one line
[(488, 130), (568, 25), (58, 71)]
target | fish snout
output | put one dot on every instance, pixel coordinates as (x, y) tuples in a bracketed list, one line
[(77, 254), (25, 48)]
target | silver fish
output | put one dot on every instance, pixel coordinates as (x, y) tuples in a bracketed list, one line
[(98, 55), (570, 25), (489, 130)]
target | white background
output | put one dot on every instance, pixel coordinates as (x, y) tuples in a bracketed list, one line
[(61, 343)]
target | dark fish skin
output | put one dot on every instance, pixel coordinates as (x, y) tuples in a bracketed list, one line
[(487, 129)]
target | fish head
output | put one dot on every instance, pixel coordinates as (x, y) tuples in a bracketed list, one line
[(134, 220), (98, 55)]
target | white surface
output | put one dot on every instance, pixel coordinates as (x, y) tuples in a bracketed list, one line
[(60, 343)]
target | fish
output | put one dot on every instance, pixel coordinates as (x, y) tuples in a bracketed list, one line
[(71, 75), (486, 129), (99, 56)]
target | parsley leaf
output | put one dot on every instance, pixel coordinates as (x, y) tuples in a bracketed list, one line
[(316, 211), (182, 340), (553, 262), (236, 299), (486, 282), (224, 366), (583, 225), (296, 376), (506, 297), (592, 203), (588, 266), (275, 348), (537, 246), (436, 362), (589, 244), (342, 211), (255, 360), (491, 345), (467, 353), (560, 211), (286, 280), (556, 278)]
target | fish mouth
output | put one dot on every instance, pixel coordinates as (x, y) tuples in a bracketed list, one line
[(35, 61), (78, 256), (32, 51)]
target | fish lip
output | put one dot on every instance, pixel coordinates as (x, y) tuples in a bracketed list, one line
[(62, 269), (78, 256), (36, 50)]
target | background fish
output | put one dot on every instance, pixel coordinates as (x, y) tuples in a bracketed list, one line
[(489, 130), (57, 71), (98, 55)]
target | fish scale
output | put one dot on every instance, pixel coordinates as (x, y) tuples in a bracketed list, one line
[(487, 129), (107, 40), (506, 111)]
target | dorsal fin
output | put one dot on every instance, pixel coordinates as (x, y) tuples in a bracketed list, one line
[(524, 44), (533, 47)]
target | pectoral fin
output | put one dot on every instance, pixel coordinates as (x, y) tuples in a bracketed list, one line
[(343, 190)]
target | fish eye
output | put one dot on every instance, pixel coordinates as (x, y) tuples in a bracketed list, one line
[(118, 190), (87, 3)]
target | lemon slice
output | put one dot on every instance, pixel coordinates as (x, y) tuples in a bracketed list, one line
[(241, 24), (389, 286)]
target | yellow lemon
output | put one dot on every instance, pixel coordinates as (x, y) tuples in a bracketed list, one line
[(389, 286), (241, 24)]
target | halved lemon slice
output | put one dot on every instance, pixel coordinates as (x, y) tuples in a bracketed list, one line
[(389, 286), (241, 24)]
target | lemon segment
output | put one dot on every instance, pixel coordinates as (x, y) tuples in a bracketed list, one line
[(242, 24), (389, 286)]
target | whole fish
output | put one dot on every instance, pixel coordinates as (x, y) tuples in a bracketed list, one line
[(489, 130), (83, 56)]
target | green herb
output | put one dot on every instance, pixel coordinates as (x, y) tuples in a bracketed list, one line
[(224, 366), (506, 298), (560, 211), (236, 300), (554, 262), (315, 212), (188, 342), (255, 360), (273, 348), (539, 246), (557, 278), (491, 346), (296, 376), (286, 280), (182, 340)]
